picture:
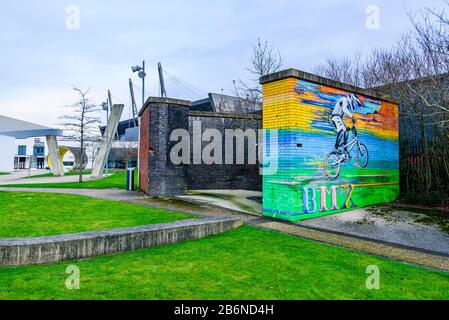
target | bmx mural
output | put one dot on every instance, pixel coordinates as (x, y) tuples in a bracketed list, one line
[(329, 147)]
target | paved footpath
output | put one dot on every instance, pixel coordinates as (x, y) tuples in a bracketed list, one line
[(383, 249), (21, 177), (106, 194)]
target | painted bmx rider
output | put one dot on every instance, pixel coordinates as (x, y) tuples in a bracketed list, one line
[(345, 106)]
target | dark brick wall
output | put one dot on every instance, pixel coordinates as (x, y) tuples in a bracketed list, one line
[(144, 150), (159, 177), (166, 179), (163, 177), (223, 176)]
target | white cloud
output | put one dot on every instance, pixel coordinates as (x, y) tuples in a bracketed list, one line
[(206, 43)]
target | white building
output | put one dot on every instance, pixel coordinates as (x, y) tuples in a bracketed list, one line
[(30, 152), (24, 144), (7, 155)]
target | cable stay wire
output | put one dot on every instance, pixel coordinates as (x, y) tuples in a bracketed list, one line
[(185, 84), (189, 87), (188, 91), (139, 89), (185, 90)]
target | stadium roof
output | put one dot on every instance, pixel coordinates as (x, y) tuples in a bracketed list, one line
[(228, 104)]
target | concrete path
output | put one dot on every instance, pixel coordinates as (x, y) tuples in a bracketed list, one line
[(383, 223), (239, 200), (21, 177), (22, 174), (106, 194)]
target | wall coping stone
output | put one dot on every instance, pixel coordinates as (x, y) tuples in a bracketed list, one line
[(302, 75), (39, 250), (169, 101), (254, 116)]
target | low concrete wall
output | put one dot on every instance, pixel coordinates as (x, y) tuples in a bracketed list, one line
[(27, 251)]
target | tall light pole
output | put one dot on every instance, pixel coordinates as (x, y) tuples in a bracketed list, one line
[(142, 75)]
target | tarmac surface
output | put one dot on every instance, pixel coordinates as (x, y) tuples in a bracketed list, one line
[(384, 223)]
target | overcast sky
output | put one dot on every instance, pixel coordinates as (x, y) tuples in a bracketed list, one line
[(205, 43)]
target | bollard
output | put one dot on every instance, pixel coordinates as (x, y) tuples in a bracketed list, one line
[(130, 179)]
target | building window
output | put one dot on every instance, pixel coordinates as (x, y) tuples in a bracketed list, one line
[(22, 151), (39, 151)]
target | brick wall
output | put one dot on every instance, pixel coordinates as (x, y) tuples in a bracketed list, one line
[(159, 177), (300, 140), (144, 150), (224, 176)]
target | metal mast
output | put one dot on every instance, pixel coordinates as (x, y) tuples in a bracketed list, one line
[(133, 102), (161, 81), (110, 108)]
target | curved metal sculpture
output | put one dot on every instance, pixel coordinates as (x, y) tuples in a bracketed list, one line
[(78, 164)]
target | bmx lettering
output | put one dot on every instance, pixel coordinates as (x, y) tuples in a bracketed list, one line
[(310, 198)]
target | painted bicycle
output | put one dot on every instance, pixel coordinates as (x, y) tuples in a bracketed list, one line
[(342, 155)]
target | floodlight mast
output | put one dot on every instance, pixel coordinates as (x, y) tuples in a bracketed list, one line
[(110, 99), (142, 75), (161, 81), (133, 102), (110, 107)]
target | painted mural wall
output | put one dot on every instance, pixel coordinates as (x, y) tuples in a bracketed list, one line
[(326, 150)]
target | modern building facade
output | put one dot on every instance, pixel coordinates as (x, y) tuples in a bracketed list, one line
[(127, 130), (8, 151), (25, 145), (30, 153), (124, 148), (221, 103)]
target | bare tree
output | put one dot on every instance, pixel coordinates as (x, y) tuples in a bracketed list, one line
[(80, 123), (346, 69), (92, 148), (264, 60)]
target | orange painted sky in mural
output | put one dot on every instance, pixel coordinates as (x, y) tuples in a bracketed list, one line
[(383, 123)]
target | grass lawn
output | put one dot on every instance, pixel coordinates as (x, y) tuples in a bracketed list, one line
[(115, 181), (44, 214), (246, 263), (3, 173)]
